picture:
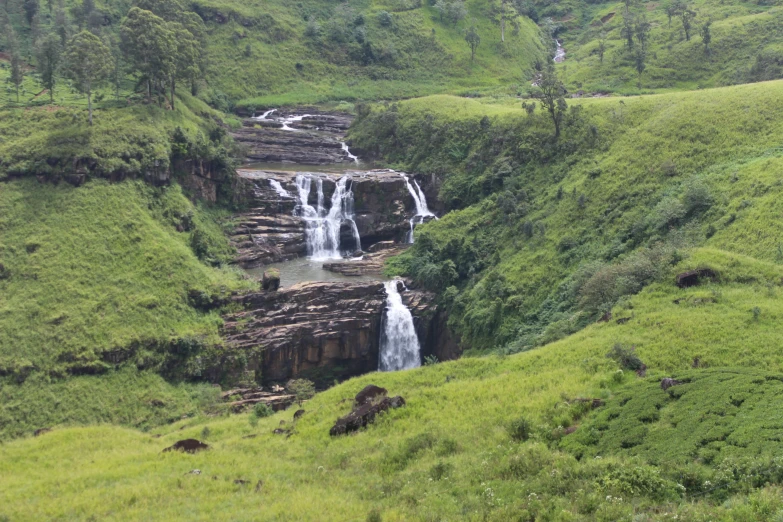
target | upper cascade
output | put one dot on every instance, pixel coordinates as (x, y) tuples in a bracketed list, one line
[(400, 348), (322, 225), (422, 210)]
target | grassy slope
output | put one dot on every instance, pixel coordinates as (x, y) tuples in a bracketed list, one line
[(614, 191), (455, 423), (740, 33), (269, 76)]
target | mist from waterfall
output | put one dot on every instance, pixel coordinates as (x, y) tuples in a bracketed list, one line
[(422, 210), (322, 225), (400, 348)]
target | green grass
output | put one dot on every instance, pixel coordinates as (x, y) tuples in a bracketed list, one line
[(98, 276), (454, 428), (741, 33)]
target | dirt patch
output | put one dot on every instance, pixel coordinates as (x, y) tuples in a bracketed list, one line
[(607, 18)]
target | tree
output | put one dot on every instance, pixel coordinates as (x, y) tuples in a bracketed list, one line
[(601, 47), (671, 11), (452, 10), (639, 62), (149, 46), (89, 63), (503, 20), (61, 26), (186, 58), (31, 8), (17, 68), (642, 31), (706, 36), (473, 39), (687, 15), (551, 93), (627, 30), (302, 389), (81, 13), (48, 53)]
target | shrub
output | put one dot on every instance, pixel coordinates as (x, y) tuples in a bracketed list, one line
[(302, 389), (374, 516), (520, 429), (626, 357), (385, 18), (262, 410), (440, 470)]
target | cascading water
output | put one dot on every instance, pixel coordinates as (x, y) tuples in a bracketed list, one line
[(348, 152), (560, 53), (291, 119), (422, 211), (400, 349), (283, 193), (322, 226)]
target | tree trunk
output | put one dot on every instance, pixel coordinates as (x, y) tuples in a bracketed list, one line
[(173, 88), (89, 104)]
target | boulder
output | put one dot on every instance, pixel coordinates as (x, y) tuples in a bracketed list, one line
[(695, 277), (188, 446), (271, 280), (668, 383), (369, 393), (364, 415)]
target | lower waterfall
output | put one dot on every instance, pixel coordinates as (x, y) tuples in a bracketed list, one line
[(400, 349)]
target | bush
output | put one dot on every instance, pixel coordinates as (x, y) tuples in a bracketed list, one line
[(440, 470), (302, 389), (520, 429), (385, 18), (262, 410), (626, 357)]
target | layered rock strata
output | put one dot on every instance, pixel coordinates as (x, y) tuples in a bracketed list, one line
[(325, 331)]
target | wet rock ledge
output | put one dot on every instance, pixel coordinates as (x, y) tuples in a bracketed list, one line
[(324, 331)]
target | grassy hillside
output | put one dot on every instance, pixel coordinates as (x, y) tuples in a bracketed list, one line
[(457, 450), (546, 236), (275, 52), (98, 276), (746, 40)]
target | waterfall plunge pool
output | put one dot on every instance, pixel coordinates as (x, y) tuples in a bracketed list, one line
[(302, 270)]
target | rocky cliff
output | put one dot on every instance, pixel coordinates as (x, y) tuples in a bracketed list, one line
[(324, 331)]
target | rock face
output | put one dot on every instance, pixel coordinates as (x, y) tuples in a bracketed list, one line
[(268, 232), (315, 139), (371, 263), (324, 331), (188, 446)]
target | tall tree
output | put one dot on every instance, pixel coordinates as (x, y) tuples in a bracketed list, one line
[(149, 45), (551, 92), (503, 20), (81, 12), (640, 63), (687, 16), (89, 63), (627, 30), (186, 59), (31, 8), (642, 31), (48, 53), (17, 67), (61, 25), (706, 36), (473, 39), (601, 47)]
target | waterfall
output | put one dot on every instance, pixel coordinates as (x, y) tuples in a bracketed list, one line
[(322, 226), (283, 193), (400, 349), (422, 211), (560, 53), (291, 119), (348, 152), (265, 116)]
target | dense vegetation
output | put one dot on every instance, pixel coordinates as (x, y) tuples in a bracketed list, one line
[(276, 52), (546, 236)]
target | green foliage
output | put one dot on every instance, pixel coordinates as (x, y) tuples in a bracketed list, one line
[(262, 410), (88, 63), (626, 357), (302, 389), (520, 429)]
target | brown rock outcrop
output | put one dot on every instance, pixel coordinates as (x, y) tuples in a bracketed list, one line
[(364, 415)]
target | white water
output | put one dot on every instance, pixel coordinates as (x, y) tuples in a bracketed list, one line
[(422, 210), (322, 226), (348, 152), (560, 53), (283, 193), (291, 119), (400, 349)]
